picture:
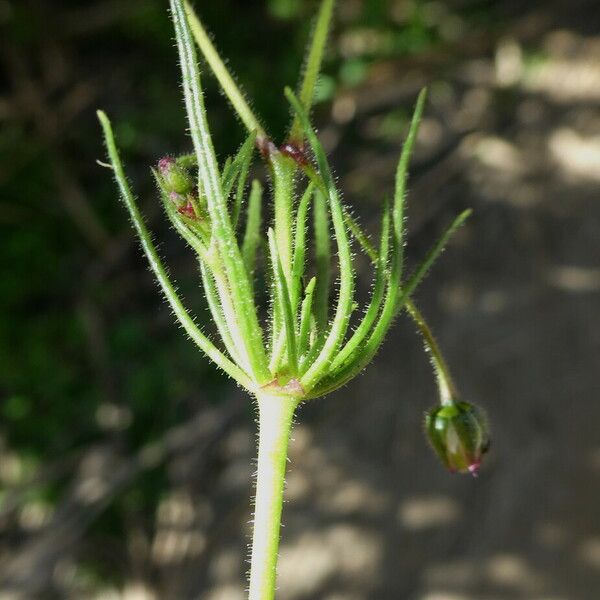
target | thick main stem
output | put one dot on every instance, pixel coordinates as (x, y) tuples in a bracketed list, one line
[(276, 413)]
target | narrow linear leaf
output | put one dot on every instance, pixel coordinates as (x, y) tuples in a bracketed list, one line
[(372, 311), (278, 343), (237, 169), (222, 74), (298, 262), (231, 315), (322, 260), (447, 387), (252, 236), (386, 315), (361, 359), (216, 311), (282, 172), (360, 236), (284, 302), (226, 172), (312, 68), (419, 274), (306, 317), (407, 148), (402, 173), (194, 103), (345, 302), (241, 184), (210, 182), (157, 267)]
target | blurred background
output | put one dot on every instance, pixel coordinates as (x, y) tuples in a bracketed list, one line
[(126, 460)]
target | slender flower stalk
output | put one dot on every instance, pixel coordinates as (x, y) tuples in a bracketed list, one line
[(457, 430), (447, 388), (313, 339)]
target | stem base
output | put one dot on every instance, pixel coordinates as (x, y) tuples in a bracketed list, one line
[(276, 414)]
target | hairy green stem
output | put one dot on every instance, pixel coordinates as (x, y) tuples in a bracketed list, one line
[(232, 369), (448, 392), (209, 182), (220, 70), (316, 49), (275, 414)]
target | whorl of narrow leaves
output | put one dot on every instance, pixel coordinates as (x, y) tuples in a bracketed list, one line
[(305, 346), (285, 325)]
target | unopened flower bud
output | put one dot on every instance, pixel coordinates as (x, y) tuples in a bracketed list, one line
[(175, 177), (458, 433), (177, 199)]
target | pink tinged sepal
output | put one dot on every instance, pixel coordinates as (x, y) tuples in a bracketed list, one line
[(187, 210)]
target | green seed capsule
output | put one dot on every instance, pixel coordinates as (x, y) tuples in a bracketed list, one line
[(459, 435), (175, 177)]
